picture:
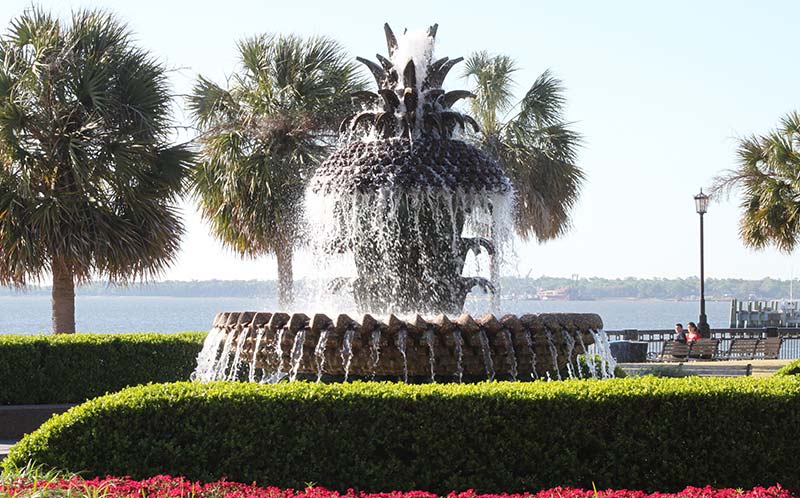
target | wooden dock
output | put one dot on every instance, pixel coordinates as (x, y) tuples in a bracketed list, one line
[(776, 313)]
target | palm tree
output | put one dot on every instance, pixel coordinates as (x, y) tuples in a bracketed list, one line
[(768, 176), (534, 145), (88, 180), (263, 136)]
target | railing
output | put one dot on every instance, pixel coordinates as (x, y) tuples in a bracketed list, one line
[(790, 349)]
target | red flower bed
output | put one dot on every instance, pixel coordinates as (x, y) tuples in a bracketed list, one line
[(179, 487)]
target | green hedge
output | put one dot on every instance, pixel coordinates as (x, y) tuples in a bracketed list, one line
[(72, 368), (792, 368), (638, 433)]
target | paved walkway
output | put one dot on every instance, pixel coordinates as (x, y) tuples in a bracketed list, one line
[(4, 446)]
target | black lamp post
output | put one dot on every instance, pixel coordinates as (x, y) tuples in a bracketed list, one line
[(701, 204)]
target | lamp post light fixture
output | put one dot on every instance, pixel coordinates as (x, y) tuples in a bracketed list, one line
[(701, 205)]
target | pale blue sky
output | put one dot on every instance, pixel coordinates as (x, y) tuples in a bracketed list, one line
[(659, 90)]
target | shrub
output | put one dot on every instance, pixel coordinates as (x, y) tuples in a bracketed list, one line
[(71, 368), (638, 433), (169, 487), (792, 368)]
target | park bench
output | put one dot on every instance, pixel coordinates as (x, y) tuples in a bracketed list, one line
[(741, 349), (704, 349), (673, 350), (708, 349), (769, 348)]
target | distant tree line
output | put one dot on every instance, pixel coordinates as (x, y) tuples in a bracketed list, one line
[(520, 288), (652, 288)]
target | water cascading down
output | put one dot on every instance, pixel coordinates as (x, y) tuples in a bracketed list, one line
[(403, 189), (409, 197)]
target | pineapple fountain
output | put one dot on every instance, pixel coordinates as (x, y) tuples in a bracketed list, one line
[(409, 198)]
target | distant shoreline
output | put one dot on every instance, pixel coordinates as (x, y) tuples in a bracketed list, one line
[(576, 289), (78, 295)]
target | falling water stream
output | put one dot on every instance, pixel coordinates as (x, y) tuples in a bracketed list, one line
[(297, 353), (278, 374), (553, 352), (569, 343), (532, 353), (458, 341), (222, 363), (402, 337), (487, 354), (208, 356), (588, 357), (607, 361), (347, 351), (429, 340), (512, 355), (233, 373), (376, 350), (319, 352)]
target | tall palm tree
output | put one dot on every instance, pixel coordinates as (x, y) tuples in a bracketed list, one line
[(768, 176), (531, 141), (88, 179), (263, 136)]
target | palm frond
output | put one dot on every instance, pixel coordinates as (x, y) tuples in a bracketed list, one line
[(88, 176), (263, 136), (536, 147), (768, 177), (543, 103), (493, 85)]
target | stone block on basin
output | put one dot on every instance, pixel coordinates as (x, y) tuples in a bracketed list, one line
[(629, 351)]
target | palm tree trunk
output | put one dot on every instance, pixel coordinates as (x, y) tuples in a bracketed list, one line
[(285, 280), (63, 299)]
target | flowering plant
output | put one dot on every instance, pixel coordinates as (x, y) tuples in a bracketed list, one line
[(179, 487)]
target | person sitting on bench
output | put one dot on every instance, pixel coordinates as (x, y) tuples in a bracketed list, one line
[(680, 334), (692, 334)]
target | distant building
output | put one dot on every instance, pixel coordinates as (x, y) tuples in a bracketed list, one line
[(560, 294)]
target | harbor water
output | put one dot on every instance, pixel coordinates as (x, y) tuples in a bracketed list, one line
[(30, 314)]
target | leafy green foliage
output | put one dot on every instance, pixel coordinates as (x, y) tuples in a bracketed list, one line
[(88, 179), (535, 145), (263, 136), (767, 176), (640, 433), (792, 368), (75, 367)]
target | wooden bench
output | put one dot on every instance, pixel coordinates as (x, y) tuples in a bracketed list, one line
[(704, 349), (741, 349), (768, 349), (673, 351), (714, 369)]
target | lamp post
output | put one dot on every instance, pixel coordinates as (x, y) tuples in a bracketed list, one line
[(701, 205)]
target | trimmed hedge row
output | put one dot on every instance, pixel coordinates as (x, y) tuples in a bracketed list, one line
[(637, 433), (792, 368), (72, 368)]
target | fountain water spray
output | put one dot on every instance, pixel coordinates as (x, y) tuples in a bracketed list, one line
[(407, 197)]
